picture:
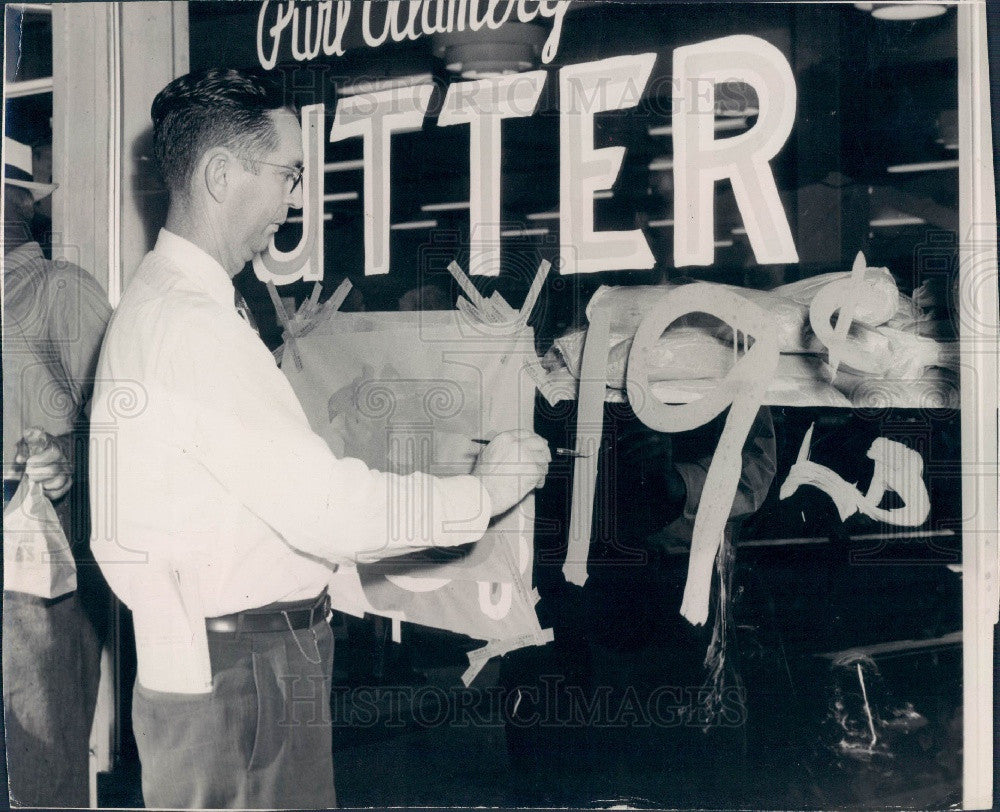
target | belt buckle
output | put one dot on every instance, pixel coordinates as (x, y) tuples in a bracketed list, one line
[(321, 609)]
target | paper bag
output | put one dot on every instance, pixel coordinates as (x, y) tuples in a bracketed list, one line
[(37, 559), (407, 391)]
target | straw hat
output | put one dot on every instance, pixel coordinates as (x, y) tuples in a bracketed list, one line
[(17, 169)]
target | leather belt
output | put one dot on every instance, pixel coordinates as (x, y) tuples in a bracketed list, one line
[(277, 617)]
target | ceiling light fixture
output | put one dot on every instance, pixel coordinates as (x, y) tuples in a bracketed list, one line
[(344, 166), (737, 110), (604, 194), (297, 218), (481, 55), (661, 164), (337, 197), (543, 215), (455, 205), (927, 166), (721, 125), (909, 10), (412, 225), (891, 219), (660, 223), (524, 232)]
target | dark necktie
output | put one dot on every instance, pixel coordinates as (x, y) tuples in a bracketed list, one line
[(243, 310)]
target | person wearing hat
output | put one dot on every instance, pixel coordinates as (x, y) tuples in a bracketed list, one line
[(54, 319)]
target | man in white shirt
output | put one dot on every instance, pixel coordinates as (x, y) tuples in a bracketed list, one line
[(228, 511)]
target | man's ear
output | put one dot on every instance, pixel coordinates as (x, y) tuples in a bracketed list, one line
[(217, 172)]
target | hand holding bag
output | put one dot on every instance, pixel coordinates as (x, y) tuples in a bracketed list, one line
[(37, 559)]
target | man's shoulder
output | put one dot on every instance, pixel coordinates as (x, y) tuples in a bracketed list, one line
[(28, 265), (59, 268), (159, 332), (69, 280), (162, 305), (53, 287), (157, 283)]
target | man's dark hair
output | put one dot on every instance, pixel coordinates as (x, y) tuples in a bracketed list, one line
[(217, 107)]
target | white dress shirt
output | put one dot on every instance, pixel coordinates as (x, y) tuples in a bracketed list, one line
[(210, 492)]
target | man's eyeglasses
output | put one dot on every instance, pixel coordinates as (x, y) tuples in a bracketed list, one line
[(293, 174)]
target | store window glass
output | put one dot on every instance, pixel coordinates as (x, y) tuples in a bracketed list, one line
[(28, 96)]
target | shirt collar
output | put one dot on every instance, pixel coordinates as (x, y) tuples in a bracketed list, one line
[(196, 265)]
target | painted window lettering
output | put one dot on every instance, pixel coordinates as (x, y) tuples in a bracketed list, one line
[(585, 90)]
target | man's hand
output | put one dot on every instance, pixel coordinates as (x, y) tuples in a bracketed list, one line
[(44, 462), (511, 465)]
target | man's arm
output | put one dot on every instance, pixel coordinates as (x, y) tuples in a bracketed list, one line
[(78, 318), (249, 431)]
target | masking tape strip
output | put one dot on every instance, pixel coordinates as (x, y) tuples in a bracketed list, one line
[(282, 314), (534, 290), (589, 430), (480, 656)]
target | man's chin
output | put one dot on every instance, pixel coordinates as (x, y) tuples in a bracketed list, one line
[(250, 255)]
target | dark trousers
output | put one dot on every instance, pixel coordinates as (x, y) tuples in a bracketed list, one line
[(260, 739), (51, 671), (51, 668)]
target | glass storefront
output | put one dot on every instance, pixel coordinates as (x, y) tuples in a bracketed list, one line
[(766, 151)]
